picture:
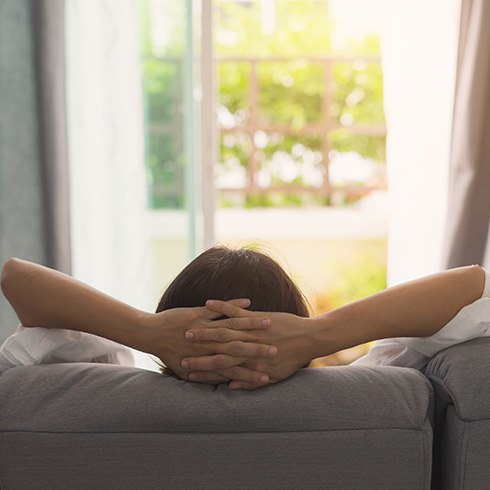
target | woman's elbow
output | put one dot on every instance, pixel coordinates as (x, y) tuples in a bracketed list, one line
[(473, 278), (481, 277), (9, 269)]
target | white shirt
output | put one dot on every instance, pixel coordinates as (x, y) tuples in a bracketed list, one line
[(36, 345)]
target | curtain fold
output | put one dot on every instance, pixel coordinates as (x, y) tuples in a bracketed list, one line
[(34, 222), (467, 223), (106, 148), (48, 29)]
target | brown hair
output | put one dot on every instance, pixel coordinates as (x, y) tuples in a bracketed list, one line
[(224, 273)]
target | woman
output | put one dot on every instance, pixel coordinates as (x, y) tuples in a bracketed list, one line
[(250, 348)]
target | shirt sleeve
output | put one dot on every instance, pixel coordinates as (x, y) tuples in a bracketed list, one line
[(471, 322), (36, 345)]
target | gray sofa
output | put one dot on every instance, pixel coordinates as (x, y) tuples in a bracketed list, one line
[(86, 426)]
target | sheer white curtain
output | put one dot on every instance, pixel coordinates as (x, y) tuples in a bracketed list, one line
[(105, 121), (419, 50)]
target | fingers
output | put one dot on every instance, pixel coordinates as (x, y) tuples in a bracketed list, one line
[(239, 375), (244, 323), (215, 335), (246, 349), (229, 324), (211, 377), (242, 385), (227, 308), (240, 302), (222, 333), (204, 313), (235, 305), (210, 363), (238, 349), (246, 375)]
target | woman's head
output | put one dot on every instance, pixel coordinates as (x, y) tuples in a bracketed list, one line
[(223, 273)]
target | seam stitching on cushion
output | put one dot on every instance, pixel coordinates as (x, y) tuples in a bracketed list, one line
[(431, 404), (463, 454), (427, 456)]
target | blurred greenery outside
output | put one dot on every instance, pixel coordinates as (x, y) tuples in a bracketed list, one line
[(288, 128)]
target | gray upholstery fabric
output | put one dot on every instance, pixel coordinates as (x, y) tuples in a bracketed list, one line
[(462, 422), (98, 426), (463, 372), (465, 453)]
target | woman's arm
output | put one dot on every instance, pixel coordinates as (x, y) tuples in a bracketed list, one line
[(417, 308), (44, 297)]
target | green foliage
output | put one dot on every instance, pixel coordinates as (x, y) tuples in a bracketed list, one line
[(291, 92), (357, 92), (366, 145), (233, 86)]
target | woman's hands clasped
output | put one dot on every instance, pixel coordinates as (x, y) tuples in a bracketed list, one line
[(169, 336), (242, 341)]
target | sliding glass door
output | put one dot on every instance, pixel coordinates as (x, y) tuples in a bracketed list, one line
[(177, 87)]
